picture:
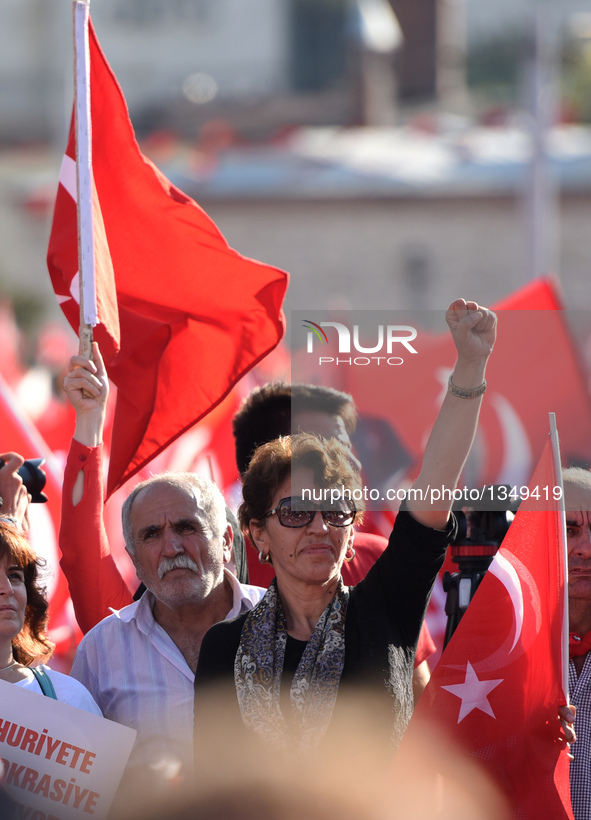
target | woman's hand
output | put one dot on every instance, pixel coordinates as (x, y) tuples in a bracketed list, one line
[(473, 328), (87, 387)]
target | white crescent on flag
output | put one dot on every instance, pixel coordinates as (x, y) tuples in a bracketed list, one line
[(505, 572), (517, 453)]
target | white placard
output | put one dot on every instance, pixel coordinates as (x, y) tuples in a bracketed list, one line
[(59, 762)]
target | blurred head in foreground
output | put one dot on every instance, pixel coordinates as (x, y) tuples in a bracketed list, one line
[(244, 780)]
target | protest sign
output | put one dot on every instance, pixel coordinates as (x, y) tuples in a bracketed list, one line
[(60, 763)]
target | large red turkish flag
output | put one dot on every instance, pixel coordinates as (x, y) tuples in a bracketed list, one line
[(194, 315), (535, 369)]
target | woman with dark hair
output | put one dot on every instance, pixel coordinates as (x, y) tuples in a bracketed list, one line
[(24, 644), (289, 659)]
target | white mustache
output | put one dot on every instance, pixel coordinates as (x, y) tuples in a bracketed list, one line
[(178, 562)]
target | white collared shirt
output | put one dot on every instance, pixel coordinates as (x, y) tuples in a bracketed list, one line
[(139, 677)]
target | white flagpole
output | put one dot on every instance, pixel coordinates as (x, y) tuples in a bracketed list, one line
[(88, 309), (563, 546)]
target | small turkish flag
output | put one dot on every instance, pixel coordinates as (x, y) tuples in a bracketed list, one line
[(498, 685)]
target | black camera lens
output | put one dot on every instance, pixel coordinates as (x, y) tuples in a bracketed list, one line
[(33, 478)]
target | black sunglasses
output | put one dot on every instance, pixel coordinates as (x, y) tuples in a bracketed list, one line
[(295, 512)]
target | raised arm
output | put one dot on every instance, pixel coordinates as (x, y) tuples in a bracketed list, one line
[(93, 578), (473, 329), (87, 387)]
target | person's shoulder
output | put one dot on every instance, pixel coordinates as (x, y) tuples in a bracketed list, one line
[(252, 593), (218, 649), (226, 629), (69, 690), (118, 619), (111, 628)]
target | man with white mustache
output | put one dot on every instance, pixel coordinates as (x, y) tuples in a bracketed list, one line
[(139, 663), (181, 562)]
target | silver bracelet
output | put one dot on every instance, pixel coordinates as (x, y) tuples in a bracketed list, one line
[(466, 394), (10, 519)]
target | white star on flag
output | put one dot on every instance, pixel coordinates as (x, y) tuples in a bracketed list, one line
[(473, 693)]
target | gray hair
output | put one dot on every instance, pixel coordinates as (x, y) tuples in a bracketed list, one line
[(212, 501), (577, 477)]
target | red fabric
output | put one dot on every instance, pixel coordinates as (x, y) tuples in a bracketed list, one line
[(578, 644), (259, 574), (94, 580), (425, 647), (194, 315), (498, 684), (512, 428)]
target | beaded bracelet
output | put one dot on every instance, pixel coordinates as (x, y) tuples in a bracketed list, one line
[(466, 394)]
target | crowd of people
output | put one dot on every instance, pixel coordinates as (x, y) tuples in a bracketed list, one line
[(226, 680)]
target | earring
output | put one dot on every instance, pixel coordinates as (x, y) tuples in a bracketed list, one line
[(264, 558), (352, 551)]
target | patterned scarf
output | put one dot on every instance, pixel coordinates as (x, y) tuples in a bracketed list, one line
[(313, 691)]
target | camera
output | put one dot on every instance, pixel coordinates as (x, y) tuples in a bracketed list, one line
[(480, 534), (33, 478)]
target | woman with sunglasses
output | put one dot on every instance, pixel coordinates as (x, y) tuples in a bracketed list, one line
[(286, 662)]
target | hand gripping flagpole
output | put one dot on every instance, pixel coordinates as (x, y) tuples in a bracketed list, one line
[(563, 547), (83, 123)]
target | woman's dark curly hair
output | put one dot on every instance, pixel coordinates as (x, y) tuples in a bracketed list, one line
[(31, 644), (329, 461)]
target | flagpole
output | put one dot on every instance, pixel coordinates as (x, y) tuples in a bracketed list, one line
[(83, 124), (563, 546)]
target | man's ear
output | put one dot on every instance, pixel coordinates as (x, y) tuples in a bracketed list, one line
[(227, 539)]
